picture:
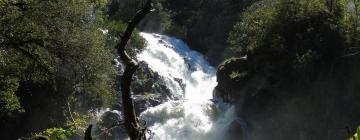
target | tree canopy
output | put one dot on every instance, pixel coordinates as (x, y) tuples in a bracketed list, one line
[(52, 53)]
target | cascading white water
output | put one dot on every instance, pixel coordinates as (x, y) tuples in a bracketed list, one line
[(172, 59), (193, 116)]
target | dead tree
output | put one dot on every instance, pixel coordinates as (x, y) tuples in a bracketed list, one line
[(88, 133), (132, 125), (133, 128)]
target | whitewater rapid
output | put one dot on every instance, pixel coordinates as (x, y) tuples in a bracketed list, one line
[(193, 116)]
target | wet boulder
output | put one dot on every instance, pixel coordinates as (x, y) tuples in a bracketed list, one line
[(109, 126), (149, 88), (230, 75)]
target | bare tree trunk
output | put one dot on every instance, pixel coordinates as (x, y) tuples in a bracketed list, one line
[(134, 130), (88, 133)]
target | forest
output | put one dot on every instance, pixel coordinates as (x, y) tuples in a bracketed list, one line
[(179, 69)]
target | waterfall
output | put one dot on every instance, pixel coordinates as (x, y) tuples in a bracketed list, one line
[(192, 115), (191, 112)]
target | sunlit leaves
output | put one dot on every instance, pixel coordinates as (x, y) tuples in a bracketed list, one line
[(356, 136), (2, 3), (9, 102), (77, 123), (252, 26), (74, 126), (268, 17), (56, 133), (55, 45)]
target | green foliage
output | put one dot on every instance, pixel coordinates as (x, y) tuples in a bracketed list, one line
[(53, 53), (157, 21), (56, 134), (282, 35), (252, 27), (115, 26), (2, 3), (205, 24), (65, 41), (76, 125), (267, 19), (356, 136), (123, 10), (9, 101), (351, 20), (150, 96), (116, 29), (237, 75)]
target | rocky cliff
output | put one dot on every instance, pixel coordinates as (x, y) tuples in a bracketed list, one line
[(293, 106)]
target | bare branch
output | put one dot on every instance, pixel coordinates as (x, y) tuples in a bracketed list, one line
[(132, 126), (88, 133)]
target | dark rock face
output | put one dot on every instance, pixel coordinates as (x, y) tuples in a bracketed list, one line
[(180, 82), (282, 108), (148, 87), (230, 75), (109, 128)]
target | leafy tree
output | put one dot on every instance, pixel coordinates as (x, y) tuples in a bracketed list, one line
[(282, 35), (52, 53), (205, 24)]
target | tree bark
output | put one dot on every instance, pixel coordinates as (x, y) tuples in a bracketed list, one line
[(88, 133), (134, 130)]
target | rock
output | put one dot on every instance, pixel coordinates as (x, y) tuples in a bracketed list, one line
[(232, 71), (279, 107), (180, 82), (161, 41), (148, 87), (230, 75), (108, 120)]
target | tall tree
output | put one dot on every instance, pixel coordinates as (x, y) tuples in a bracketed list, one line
[(51, 53)]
